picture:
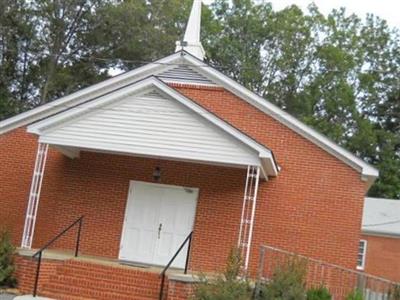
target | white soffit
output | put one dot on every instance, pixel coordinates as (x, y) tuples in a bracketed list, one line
[(153, 120)]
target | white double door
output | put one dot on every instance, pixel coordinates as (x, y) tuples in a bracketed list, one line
[(158, 219)]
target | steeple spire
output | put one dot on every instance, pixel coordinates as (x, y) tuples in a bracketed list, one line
[(191, 42)]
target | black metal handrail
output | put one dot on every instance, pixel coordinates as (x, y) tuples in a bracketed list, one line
[(40, 252), (162, 274)]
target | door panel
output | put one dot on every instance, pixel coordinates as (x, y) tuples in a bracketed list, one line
[(177, 216), (158, 219), (140, 234)]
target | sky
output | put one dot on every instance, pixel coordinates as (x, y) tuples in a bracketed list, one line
[(385, 9)]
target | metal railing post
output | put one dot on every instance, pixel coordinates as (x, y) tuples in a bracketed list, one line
[(261, 266), (39, 253), (188, 253), (37, 274), (162, 287), (188, 239), (78, 237)]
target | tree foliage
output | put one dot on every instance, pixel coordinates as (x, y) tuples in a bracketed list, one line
[(318, 293), (288, 282), (338, 73), (226, 286), (7, 267), (50, 48)]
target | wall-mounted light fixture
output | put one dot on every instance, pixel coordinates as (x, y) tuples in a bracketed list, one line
[(157, 174)]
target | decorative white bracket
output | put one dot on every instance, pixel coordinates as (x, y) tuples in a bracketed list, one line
[(248, 213), (34, 196)]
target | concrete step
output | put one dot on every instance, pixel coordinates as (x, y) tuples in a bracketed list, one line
[(60, 296)]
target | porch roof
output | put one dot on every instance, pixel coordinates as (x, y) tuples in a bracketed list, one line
[(148, 118)]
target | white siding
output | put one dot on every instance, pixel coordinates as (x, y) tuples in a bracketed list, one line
[(151, 125)]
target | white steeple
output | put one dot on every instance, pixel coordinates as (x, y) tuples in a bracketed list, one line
[(191, 41)]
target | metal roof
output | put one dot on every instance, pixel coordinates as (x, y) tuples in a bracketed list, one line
[(381, 216)]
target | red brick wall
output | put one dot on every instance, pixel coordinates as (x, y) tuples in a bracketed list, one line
[(96, 281), (315, 204), (26, 271), (96, 186), (383, 257), (313, 207), (179, 290), (17, 158)]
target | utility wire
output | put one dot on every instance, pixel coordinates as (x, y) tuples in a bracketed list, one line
[(209, 65), (141, 62)]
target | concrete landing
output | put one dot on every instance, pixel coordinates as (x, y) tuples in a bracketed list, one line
[(30, 297)]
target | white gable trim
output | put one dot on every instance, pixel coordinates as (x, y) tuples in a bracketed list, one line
[(368, 172), (265, 155)]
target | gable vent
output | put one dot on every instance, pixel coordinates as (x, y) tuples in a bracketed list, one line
[(152, 94), (184, 74)]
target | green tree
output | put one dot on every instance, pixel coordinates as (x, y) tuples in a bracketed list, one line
[(387, 155), (62, 31), (337, 73), (16, 34), (50, 48), (138, 30)]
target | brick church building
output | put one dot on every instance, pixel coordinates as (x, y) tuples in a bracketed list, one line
[(152, 155)]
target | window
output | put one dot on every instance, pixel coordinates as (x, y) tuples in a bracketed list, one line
[(362, 251)]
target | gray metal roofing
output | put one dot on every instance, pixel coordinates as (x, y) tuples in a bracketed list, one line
[(184, 74), (381, 216)]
